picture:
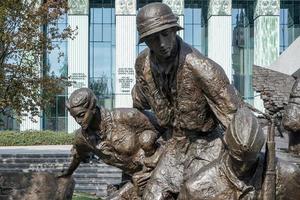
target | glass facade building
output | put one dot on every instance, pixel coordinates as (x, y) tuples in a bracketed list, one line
[(102, 45), (242, 46), (195, 24), (55, 117), (198, 18)]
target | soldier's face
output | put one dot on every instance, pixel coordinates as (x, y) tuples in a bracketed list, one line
[(243, 166), (162, 43), (80, 116)]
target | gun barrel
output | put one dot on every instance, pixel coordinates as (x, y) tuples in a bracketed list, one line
[(269, 189)]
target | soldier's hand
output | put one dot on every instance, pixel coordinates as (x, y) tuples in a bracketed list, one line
[(63, 174), (140, 180)]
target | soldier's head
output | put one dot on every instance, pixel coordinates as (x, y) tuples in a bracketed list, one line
[(157, 26), (147, 140), (244, 139), (81, 105)]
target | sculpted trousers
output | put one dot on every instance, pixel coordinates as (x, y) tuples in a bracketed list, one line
[(182, 158)]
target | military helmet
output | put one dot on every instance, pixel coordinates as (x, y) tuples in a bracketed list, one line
[(244, 137), (83, 97), (155, 17)]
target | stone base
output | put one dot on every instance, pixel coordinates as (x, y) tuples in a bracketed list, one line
[(35, 186)]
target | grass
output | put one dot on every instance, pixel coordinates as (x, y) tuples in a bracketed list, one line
[(28, 138), (84, 196)]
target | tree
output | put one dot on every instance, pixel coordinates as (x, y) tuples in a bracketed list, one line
[(27, 29)]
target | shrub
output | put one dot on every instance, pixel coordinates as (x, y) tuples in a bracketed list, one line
[(27, 138)]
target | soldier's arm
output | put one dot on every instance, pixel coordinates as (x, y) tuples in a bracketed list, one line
[(139, 97), (75, 162), (220, 94), (79, 153)]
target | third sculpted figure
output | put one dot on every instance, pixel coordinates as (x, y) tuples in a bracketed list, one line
[(240, 172), (189, 94)]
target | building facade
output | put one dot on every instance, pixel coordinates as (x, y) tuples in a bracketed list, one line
[(234, 33)]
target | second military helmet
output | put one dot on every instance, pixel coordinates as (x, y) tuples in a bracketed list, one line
[(244, 137)]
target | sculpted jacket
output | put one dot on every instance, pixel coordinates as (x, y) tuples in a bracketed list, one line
[(201, 87), (216, 181)]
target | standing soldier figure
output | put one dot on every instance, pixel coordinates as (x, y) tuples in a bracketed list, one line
[(189, 94)]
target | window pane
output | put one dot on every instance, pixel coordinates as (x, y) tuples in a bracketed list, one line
[(61, 108), (58, 65), (197, 35), (188, 33), (98, 32), (113, 16), (92, 33), (97, 15), (188, 16), (91, 64), (197, 15), (107, 32), (107, 15), (102, 59)]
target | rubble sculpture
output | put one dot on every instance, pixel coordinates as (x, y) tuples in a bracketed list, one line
[(280, 94), (35, 186)]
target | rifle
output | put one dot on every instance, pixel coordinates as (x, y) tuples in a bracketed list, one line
[(269, 182)]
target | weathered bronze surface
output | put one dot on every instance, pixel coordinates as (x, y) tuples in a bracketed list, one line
[(202, 143), (190, 96), (240, 171), (281, 97), (291, 117), (124, 138)]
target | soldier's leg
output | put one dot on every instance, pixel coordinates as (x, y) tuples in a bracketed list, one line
[(168, 175)]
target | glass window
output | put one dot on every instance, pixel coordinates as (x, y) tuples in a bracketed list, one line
[(97, 15), (107, 15), (195, 24), (188, 33), (289, 22), (102, 50), (61, 108), (97, 32), (188, 15), (55, 117), (197, 34), (242, 47), (107, 32), (197, 15)]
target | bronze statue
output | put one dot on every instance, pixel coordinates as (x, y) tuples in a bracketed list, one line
[(291, 117), (189, 94), (124, 138), (280, 95), (240, 173)]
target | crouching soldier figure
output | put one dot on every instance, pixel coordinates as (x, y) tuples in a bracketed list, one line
[(240, 172), (124, 138)]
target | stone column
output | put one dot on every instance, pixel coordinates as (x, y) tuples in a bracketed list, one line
[(78, 57), (125, 51), (220, 34), (266, 36), (177, 7), (266, 32)]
